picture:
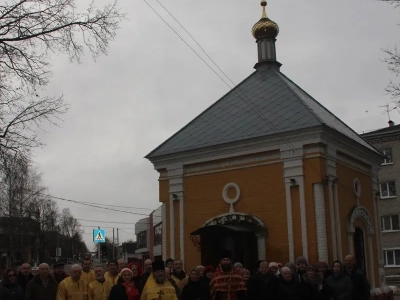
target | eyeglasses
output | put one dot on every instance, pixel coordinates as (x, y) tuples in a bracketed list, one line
[(12, 275), (134, 270)]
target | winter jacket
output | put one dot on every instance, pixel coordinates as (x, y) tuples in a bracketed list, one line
[(260, 285), (340, 286), (361, 287), (23, 280), (195, 290), (35, 289), (11, 291), (288, 290)]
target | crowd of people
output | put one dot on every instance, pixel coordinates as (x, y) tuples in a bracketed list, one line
[(168, 281)]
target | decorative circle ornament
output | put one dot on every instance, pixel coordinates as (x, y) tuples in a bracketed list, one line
[(226, 198), (357, 187)]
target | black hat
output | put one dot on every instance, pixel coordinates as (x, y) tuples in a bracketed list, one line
[(112, 261), (226, 254), (158, 265), (58, 264)]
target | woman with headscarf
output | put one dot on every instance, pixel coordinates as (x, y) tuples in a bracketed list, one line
[(195, 289), (9, 288), (338, 286), (125, 288), (137, 274)]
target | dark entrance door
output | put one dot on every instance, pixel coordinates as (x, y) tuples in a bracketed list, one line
[(241, 243), (359, 249)]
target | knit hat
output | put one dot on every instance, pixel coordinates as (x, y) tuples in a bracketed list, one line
[(126, 270), (273, 264), (301, 260)]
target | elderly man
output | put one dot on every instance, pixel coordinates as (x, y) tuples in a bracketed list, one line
[(43, 286), (73, 287), (58, 272), (361, 287), (148, 268), (121, 264), (99, 289), (157, 286), (87, 272), (179, 275), (112, 274), (227, 283), (25, 275)]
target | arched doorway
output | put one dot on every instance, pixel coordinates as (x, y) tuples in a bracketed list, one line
[(242, 234), (360, 231), (359, 249)]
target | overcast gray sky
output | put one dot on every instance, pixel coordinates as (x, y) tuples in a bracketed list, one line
[(151, 84)]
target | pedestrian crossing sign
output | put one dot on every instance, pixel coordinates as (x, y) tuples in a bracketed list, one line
[(99, 235)]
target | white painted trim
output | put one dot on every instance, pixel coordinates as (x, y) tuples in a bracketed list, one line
[(371, 261), (164, 230), (350, 241), (181, 230), (360, 213), (289, 218), (171, 228), (338, 225), (320, 221), (261, 247), (303, 216), (332, 219)]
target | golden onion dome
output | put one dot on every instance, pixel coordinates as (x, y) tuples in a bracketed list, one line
[(265, 28)]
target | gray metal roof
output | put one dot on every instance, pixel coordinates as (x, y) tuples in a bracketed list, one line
[(265, 103)]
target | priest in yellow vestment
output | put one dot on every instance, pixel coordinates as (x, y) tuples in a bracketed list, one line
[(73, 287), (112, 275), (99, 289), (87, 272), (157, 286)]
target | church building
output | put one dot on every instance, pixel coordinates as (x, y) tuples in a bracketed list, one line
[(270, 174)]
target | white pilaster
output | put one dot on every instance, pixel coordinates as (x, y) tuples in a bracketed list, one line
[(371, 262), (261, 247), (289, 220), (332, 219), (171, 228), (175, 176), (338, 227), (181, 230), (303, 217), (320, 221), (164, 230)]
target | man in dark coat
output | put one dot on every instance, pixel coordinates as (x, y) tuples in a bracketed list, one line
[(58, 272), (263, 283), (361, 287), (42, 286), (24, 276)]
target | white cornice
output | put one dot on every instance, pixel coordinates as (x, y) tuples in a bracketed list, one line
[(242, 148)]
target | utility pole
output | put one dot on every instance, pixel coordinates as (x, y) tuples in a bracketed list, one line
[(113, 245), (117, 240), (98, 249)]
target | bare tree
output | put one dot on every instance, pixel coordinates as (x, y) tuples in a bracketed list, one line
[(30, 32), (393, 62), (71, 228)]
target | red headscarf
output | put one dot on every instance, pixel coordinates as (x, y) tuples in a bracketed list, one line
[(140, 271)]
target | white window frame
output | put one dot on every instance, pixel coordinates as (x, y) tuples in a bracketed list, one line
[(385, 163), (391, 223), (387, 183), (385, 251)]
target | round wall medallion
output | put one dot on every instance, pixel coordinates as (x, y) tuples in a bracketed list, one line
[(357, 187), (225, 193)]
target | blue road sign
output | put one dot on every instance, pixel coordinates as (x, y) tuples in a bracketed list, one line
[(99, 235)]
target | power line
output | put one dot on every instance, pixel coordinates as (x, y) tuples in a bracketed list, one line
[(111, 222)]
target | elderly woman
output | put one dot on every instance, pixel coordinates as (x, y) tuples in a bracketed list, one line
[(311, 286), (245, 275), (195, 289), (9, 288), (125, 288), (288, 285)]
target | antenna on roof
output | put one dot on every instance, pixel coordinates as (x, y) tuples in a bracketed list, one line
[(388, 109)]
